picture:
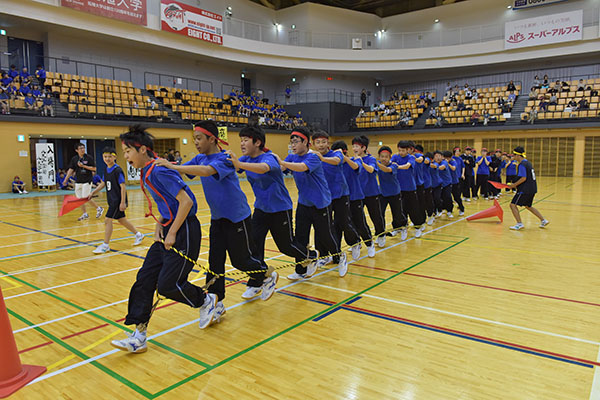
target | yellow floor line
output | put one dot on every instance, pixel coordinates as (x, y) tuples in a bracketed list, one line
[(14, 284), (88, 348)]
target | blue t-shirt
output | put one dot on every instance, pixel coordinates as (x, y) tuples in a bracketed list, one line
[(353, 180), (369, 181), (406, 177), (269, 189), (435, 175), (13, 73), (418, 172), (6, 81), (335, 176), (24, 90), (445, 174), (483, 169), (120, 179), (222, 189), (41, 73), (459, 164), (388, 183), (96, 179), (426, 174), (168, 183), (511, 168), (29, 100), (454, 174), (312, 186)]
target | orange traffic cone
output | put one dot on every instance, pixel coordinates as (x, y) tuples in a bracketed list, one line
[(495, 211), (13, 375)]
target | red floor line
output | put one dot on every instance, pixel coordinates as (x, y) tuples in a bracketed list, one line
[(503, 289), (375, 268), (35, 347)]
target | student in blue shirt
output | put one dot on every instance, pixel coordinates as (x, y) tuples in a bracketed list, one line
[(230, 217), (458, 177), (436, 182), (495, 173), (351, 169), (314, 200), (417, 171), (40, 73), (410, 203), (526, 189), (390, 192), (333, 167), (511, 171), (446, 167), (177, 226), (368, 180), (24, 90), (483, 174), (30, 102), (427, 187), (24, 74), (273, 205), (13, 73)]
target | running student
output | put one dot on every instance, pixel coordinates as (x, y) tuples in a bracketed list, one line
[(273, 205), (428, 186), (314, 201), (526, 189), (483, 174), (390, 192), (230, 218), (82, 166), (457, 178), (177, 226), (368, 181), (352, 168), (340, 193), (116, 197), (410, 203)]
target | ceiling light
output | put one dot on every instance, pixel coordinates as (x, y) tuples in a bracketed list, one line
[(436, 20), (293, 26), (509, 7), (294, 79)]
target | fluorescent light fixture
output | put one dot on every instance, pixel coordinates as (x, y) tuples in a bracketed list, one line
[(436, 20), (509, 7), (2, 32)]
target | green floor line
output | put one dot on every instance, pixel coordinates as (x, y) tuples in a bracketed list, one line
[(81, 355), (365, 276), (275, 336)]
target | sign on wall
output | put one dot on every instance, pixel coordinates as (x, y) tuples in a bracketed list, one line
[(133, 11), (133, 174), (547, 29), (520, 4), (44, 160), (191, 21)]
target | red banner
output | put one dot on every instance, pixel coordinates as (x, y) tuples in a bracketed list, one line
[(191, 21), (133, 11)]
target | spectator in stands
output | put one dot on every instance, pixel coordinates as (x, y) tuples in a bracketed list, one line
[(475, 95), (537, 83), (533, 93), (40, 74), (468, 94), (47, 107), (581, 86), (36, 92), (553, 100), (475, 117), (24, 74), (24, 90), (404, 96), (512, 97), (460, 106), (363, 97), (18, 186), (13, 73), (361, 113), (532, 116), (448, 89), (544, 103), (6, 80), (171, 155), (546, 82), (406, 117), (439, 118), (565, 86), (501, 102), (555, 87), (4, 103), (12, 90), (511, 87), (30, 102), (571, 106), (433, 113), (288, 94), (395, 96), (60, 177), (178, 159), (583, 104), (421, 104)]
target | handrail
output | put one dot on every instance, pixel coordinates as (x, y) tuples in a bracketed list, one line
[(319, 95), (68, 61), (173, 81)]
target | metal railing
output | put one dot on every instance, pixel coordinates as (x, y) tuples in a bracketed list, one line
[(319, 96), (65, 65), (386, 40), (227, 88), (176, 81)]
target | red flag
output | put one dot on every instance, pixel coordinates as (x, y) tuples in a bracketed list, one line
[(498, 185), (70, 203)]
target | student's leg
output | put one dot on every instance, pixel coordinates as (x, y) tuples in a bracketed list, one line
[(447, 198), (239, 248), (108, 229), (410, 206), (437, 198), (372, 203), (398, 218), (383, 203), (360, 222), (260, 227), (342, 221), (303, 224), (280, 225), (457, 197), (535, 212), (429, 205), (515, 212), (127, 225), (472, 186), (421, 202), (216, 257), (173, 278), (478, 181), (323, 230)]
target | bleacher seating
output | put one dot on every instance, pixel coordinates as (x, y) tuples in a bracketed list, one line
[(375, 119)]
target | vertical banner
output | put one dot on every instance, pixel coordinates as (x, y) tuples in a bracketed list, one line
[(133, 174), (191, 21), (133, 11), (44, 160), (223, 133), (542, 30)]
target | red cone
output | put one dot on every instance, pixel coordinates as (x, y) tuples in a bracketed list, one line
[(495, 211)]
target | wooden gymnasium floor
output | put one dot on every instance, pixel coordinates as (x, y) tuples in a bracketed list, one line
[(470, 311)]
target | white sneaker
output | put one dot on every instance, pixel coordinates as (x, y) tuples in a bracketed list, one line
[(544, 223), (138, 238), (103, 248), (419, 232), (450, 215), (356, 252), (312, 266), (403, 234), (439, 214), (132, 344), (461, 213), (99, 212), (251, 292), (380, 241), (393, 233), (83, 216), (430, 220), (207, 311), (25, 192), (371, 251), (268, 286), (219, 312), (324, 261), (468, 200), (296, 276), (517, 226), (343, 265)]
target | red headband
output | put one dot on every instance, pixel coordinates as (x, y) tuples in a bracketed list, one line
[(302, 135), (385, 151), (209, 133)]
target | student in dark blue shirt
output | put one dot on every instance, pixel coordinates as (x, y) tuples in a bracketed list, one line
[(351, 169), (428, 186), (6, 80), (526, 189), (511, 171), (483, 174), (13, 73), (406, 176), (368, 180), (40, 73), (469, 181), (230, 221), (333, 166), (390, 191), (273, 205), (314, 200), (24, 90), (177, 226), (495, 172), (445, 168), (436, 182), (417, 171), (458, 177), (24, 74)]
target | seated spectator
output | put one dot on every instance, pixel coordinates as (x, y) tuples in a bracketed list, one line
[(6, 80), (12, 91), (448, 88), (24, 74), (395, 96), (565, 86), (404, 96), (439, 119), (393, 111), (533, 94), (537, 83), (500, 102), (511, 87), (544, 104), (486, 117), (553, 100), (60, 178), (47, 107), (546, 82), (18, 186), (30, 102), (382, 107), (178, 159), (460, 106), (583, 104), (581, 85), (433, 113), (532, 116), (555, 88), (475, 117), (40, 74), (24, 90), (4, 103), (422, 104), (468, 94), (36, 92), (361, 113), (571, 105), (422, 96), (512, 97), (406, 117), (475, 94)]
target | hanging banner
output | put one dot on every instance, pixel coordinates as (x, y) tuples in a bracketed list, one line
[(223, 133), (191, 21), (548, 29), (133, 174), (133, 11), (44, 160), (520, 4)]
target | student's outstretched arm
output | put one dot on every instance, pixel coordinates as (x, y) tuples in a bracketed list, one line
[(404, 166), (197, 170), (384, 168), (368, 168), (259, 168), (185, 205), (517, 183), (350, 162), (329, 160)]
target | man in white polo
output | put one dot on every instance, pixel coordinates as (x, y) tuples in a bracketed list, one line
[(83, 166)]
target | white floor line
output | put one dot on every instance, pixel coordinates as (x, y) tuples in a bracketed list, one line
[(595, 390), (61, 229)]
